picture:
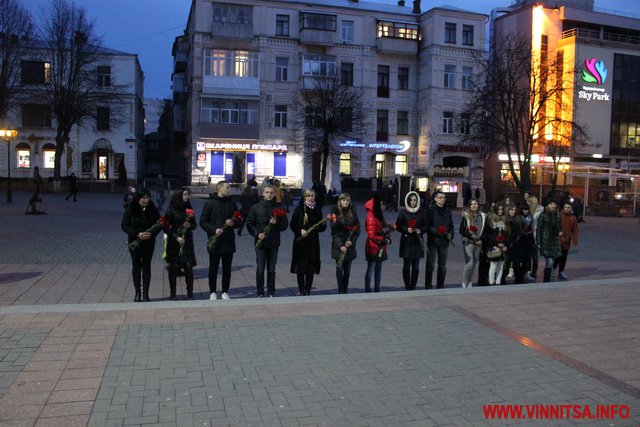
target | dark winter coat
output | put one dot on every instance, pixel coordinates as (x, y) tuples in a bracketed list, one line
[(176, 217), (215, 213), (375, 235), (547, 231), (340, 234), (411, 245), (517, 240), (259, 217), (481, 221), (436, 217), (137, 219), (305, 257)]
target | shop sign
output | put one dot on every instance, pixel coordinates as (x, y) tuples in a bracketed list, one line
[(596, 74), (400, 147), (201, 160), (237, 146)]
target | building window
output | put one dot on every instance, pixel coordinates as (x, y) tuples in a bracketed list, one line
[(346, 73), (625, 104), (318, 65), (380, 161), (36, 116), (465, 124), (229, 112), (345, 163), (104, 75), (229, 63), (102, 118), (401, 165), (383, 81), (450, 32), (35, 72), (282, 25), (312, 116), (229, 13), (447, 122), (467, 78), (398, 30), (210, 111), (467, 35), (282, 69), (347, 31), (317, 21), (450, 76), (403, 123), (281, 116), (48, 156), (403, 78), (382, 125), (23, 155)]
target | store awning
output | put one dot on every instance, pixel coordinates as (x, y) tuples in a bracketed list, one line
[(449, 179)]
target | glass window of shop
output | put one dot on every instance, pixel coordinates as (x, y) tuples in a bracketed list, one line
[(345, 163), (48, 156), (280, 164), (380, 164), (401, 165), (23, 155)]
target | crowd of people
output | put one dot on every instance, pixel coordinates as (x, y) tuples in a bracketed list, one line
[(504, 242)]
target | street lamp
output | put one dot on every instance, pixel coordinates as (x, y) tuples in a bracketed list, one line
[(8, 135), (564, 168)]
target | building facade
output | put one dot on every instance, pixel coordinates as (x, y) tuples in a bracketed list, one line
[(240, 67)]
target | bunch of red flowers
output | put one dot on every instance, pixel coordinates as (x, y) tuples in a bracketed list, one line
[(162, 223), (211, 243), (277, 213)]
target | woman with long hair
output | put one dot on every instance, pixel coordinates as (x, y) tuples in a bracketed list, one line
[(411, 223), (344, 233), (139, 218), (378, 238), (305, 259), (497, 244), (474, 228), (180, 250)]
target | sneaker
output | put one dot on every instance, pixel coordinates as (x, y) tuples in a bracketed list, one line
[(225, 296), (511, 275), (562, 276), (213, 296), (271, 295), (530, 278)]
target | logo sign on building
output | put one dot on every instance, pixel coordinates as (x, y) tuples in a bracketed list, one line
[(596, 75), (400, 147), (202, 160), (200, 146)]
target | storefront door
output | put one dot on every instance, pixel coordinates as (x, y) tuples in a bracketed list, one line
[(103, 166)]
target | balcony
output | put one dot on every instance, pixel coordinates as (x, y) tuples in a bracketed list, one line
[(589, 34), (397, 45), (319, 37), (231, 131), (232, 30)]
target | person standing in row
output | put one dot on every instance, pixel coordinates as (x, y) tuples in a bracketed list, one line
[(377, 241), (138, 219), (305, 257), (265, 223), (440, 233), (411, 224), (474, 229), (180, 251), (548, 233), (218, 219), (344, 234), (569, 233)]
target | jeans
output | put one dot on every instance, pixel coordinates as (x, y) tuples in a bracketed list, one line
[(495, 272), (471, 257), (214, 263), (410, 271), (342, 276), (367, 277), (266, 258), (441, 253)]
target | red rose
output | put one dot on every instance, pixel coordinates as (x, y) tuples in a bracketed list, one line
[(500, 238), (279, 213), (441, 230), (190, 213), (412, 223), (237, 215), (473, 229)]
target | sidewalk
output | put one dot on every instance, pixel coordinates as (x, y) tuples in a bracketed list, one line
[(74, 351)]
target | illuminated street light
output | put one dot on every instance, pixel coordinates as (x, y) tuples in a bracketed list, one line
[(8, 135)]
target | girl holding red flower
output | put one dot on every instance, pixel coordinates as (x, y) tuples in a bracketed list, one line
[(344, 233), (498, 238), (140, 217), (181, 254), (474, 229), (411, 224), (305, 257)]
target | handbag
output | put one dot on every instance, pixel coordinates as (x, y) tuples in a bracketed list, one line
[(494, 253)]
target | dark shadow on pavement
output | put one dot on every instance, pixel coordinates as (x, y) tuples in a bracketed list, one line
[(16, 277)]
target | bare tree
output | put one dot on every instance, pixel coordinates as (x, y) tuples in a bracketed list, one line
[(330, 113), (520, 109), (72, 87), (15, 28)]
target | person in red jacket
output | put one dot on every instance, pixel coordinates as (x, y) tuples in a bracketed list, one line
[(378, 238), (569, 234)]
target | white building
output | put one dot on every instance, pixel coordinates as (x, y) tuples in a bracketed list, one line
[(240, 66)]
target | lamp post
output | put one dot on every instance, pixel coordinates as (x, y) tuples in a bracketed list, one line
[(564, 168), (8, 135)]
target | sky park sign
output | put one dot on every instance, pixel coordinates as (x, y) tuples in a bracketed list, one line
[(400, 147), (596, 74)]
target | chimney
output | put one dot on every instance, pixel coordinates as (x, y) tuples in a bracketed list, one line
[(416, 6), (401, 3)]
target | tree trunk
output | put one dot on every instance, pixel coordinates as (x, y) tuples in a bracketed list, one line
[(325, 158)]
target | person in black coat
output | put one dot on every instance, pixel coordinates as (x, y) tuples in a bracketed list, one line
[(516, 247), (440, 233), (247, 199), (140, 217), (411, 242), (219, 217), (344, 234), (305, 258), (73, 187), (180, 251), (261, 215)]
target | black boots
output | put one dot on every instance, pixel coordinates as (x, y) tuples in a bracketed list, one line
[(547, 275), (145, 294), (137, 298)]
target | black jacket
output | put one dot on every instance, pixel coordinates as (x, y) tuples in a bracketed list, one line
[(437, 217), (339, 234), (176, 218), (411, 244), (305, 257), (215, 213), (259, 217), (137, 219)]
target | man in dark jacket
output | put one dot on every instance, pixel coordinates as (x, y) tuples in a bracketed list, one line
[(218, 219), (439, 234), (260, 216)]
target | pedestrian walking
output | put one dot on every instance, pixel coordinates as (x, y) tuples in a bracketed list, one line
[(548, 233), (180, 252), (378, 238), (139, 222), (219, 218), (344, 234), (306, 223), (474, 229), (440, 233), (266, 220), (411, 224), (569, 224), (73, 187)]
